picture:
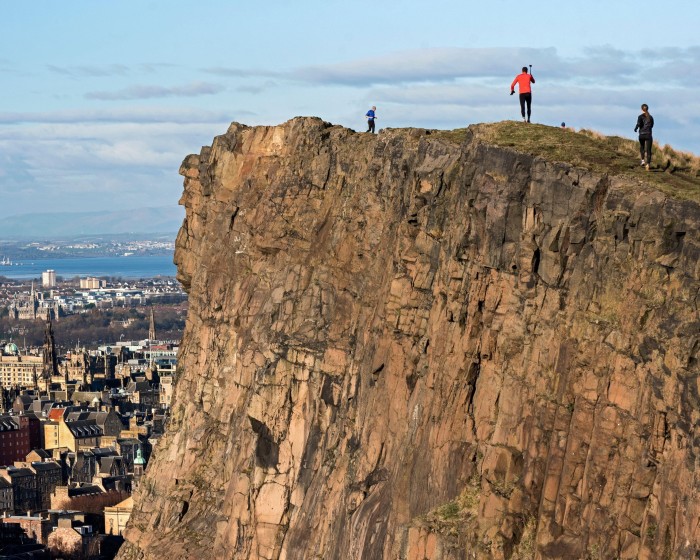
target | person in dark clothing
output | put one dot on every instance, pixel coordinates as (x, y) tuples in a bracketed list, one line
[(645, 122), (523, 80), (370, 119)]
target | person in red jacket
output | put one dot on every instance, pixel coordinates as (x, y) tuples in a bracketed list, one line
[(524, 80)]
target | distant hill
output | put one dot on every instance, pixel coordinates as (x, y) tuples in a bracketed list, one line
[(165, 219)]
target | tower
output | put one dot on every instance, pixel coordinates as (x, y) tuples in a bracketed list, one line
[(139, 465), (152, 372), (85, 367), (152, 327), (32, 302), (50, 366), (151, 339)]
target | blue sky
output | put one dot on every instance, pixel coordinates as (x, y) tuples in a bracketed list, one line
[(103, 99)]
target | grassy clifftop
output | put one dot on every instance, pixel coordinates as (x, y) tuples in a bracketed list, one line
[(673, 172)]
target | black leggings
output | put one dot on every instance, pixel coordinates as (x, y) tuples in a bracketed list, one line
[(645, 148), (525, 98)]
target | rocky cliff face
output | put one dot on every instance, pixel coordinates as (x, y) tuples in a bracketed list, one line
[(407, 346)]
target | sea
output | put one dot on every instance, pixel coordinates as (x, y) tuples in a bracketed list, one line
[(132, 266)]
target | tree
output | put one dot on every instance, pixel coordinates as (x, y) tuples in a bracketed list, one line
[(65, 543)]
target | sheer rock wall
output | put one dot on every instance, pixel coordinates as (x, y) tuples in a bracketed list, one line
[(404, 347)]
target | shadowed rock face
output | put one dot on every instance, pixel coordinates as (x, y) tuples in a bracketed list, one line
[(403, 347)]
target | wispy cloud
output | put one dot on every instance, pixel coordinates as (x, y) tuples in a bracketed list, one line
[(144, 115), (195, 89), (425, 65), (155, 67), (58, 165), (677, 66), (108, 70), (601, 65), (257, 88), (242, 72), (420, 65), (92, 71)]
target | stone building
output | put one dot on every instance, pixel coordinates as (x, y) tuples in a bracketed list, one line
[(35, 526), (81, 434), (47, 476), (117, 516), (62, 495), (166, 391), (23, 484), (109, 422), (7, 498), (72, 431), (48, 278), (17, 370), (82, 466), (91, 283), (80, 366), (33, 307), (14, 438)]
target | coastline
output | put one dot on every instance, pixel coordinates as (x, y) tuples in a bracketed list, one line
[(132, 266)]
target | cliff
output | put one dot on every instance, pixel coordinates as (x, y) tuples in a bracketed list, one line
[(430, 345)]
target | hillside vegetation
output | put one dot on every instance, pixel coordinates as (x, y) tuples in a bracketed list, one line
[(673, 172)]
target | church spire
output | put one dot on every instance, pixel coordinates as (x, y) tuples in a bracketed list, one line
[(152, 327), (50, 367), (33, 302)]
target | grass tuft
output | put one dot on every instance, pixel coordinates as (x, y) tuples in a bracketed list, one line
[(451, 518)]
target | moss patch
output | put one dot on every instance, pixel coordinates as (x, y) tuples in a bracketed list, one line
[(451, 519)]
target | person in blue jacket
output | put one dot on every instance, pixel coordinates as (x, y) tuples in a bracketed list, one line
[(370, 119)]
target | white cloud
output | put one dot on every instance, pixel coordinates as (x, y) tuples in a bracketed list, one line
[(103, 145), (599, 66), (151, 92), (94, 71), (425, 65), (90, 165), (107, 70), (185, 115), (241, 72)]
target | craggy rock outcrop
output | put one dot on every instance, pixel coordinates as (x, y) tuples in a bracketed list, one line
[(404, 346)]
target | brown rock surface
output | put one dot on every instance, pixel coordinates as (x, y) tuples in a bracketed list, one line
[(405, 347)]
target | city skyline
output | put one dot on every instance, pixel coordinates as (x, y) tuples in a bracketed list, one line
[(106, 99)]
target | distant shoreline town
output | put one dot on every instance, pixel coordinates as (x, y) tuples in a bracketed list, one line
[(12, 252), (53, 299), (78, 420)]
